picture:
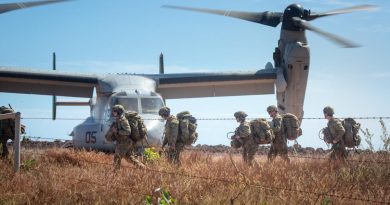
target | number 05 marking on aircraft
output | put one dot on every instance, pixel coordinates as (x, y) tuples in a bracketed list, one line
[(90, 137)]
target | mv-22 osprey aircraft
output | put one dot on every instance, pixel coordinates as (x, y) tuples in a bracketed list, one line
[(146, 93)]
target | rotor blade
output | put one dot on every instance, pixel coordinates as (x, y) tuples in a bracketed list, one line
[(265, 18), (341, 11), (14, 6), (305, 25)]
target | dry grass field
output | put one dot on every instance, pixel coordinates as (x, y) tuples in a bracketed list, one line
[(65, 176)]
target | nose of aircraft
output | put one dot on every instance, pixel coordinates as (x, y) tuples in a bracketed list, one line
[(155, 128)]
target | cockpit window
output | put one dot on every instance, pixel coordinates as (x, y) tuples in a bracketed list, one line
[(130, 104), (151, 105)]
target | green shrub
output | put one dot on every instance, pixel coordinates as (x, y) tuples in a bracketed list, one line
[(164, 199), (151, 155), (28, 164)]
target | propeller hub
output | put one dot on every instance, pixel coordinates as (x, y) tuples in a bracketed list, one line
[(293, 10)]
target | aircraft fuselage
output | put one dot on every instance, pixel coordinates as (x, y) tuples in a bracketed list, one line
[(90, 134), (294, 65), (292, 59)]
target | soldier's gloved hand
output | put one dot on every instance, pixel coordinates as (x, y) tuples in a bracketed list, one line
[(335, 141)]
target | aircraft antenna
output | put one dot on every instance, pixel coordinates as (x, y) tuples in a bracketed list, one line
[(161, 63), (54, 97)]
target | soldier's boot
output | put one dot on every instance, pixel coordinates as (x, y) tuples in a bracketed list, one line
[(117, 162), (135, 161), (176, 158)]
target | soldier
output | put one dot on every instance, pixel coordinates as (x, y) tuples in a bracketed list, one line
[(279, 143), (120, 132), (337, 132), (243, 134), (7, 129), (171, 133)]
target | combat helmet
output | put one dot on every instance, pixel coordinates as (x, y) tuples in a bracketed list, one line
[(164, 111), (240, 114), (328, 110), (272, 108), (118, 109)]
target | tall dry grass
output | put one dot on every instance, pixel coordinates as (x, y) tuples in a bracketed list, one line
[(61, 176)]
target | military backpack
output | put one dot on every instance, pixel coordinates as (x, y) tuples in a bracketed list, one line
[(5, 110), (235, 143), (351, 137), (261, 131), (290, 126), (138, 128), (187, 123)]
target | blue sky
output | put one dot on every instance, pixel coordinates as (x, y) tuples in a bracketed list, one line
[(100, 36)]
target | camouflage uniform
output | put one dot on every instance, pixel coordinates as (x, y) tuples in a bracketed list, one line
[(337, 131), (171, 138), (243, 134), (7, 128), (279, 143), (248, 144), (124, 144)]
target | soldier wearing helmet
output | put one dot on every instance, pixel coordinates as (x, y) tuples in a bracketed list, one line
[(171, 133), (328, 111), (7, 131), (243, 134), (279, 143), (337, 131), (120, 132), (164, 112)]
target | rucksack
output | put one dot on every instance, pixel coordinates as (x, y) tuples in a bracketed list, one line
[(138, 128), (187, 121), (290, 126), (235, 143), (351, 137), (5, 110), (7, 126), (261, 131)]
